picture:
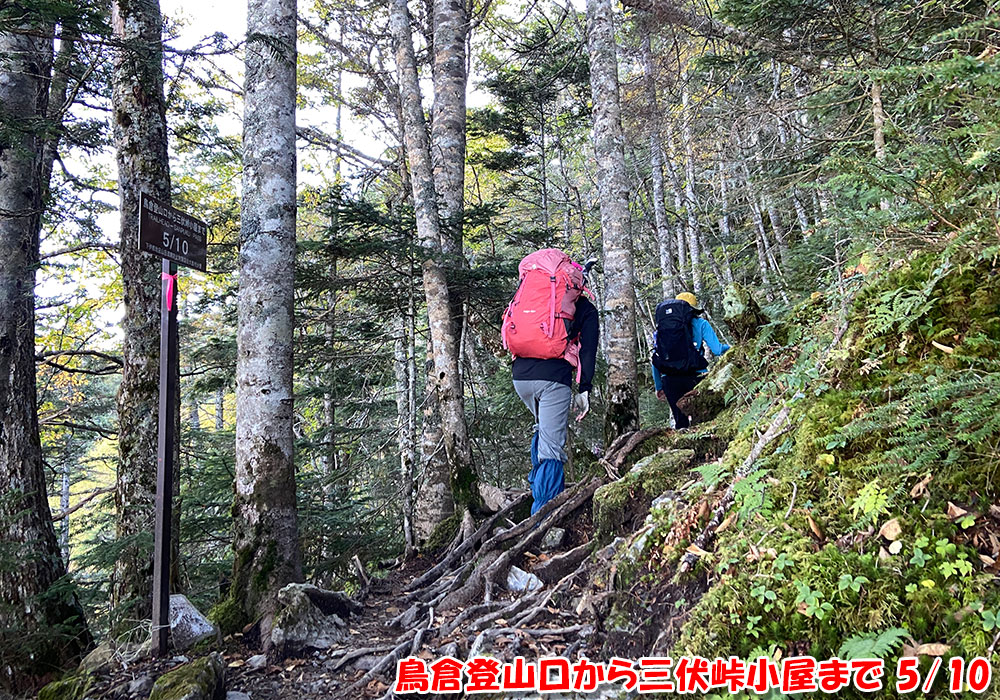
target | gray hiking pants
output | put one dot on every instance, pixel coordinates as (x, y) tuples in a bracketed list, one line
[(549, 402)]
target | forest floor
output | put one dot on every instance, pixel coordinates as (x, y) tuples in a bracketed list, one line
[(344, 671)]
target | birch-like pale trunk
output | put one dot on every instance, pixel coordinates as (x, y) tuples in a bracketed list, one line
[(220, 408), (441, 487), (404, 423), (30, 610), (265, 523), (447, 138), (725, 228), (622, 413), (691, 203), (140, 133), (878, 116), (668, 277), (683, 269)]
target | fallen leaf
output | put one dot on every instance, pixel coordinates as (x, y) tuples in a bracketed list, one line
[(933, 649), (814, 527), (891, 530), (942, 348), (425, 654), (236, 663), (987, 560), (955, 512), (908, 650), (921, 487), (896, 547), (727, 522), (883, 554), (695, 549)]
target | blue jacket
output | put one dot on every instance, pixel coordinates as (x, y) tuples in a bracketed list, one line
[(703, 334), (585, 324)]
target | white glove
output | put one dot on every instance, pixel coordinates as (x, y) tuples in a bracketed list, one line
[(582, 404)]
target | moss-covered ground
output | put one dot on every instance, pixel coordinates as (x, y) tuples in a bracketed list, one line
[(871, 526)]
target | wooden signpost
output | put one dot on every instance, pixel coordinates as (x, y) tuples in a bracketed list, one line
[(178, 239)]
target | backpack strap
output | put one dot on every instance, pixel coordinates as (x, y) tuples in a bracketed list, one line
[(552, 306)]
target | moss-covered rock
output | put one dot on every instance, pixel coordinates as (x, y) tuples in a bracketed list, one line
[(310, 618), (202, 679), (741, 312), (99, 659), (72, 688), (619, 505)]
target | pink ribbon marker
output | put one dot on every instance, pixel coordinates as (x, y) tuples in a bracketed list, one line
[(171, 286)]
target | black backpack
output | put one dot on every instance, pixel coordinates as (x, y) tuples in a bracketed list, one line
[(675, 352)]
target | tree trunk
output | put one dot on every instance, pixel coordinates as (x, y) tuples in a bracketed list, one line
[(404, 420), (725, 235), (668, 279), (265, 538), (443, 489), (691, 194), (609, 146), (220, 408), (140, 130), (451, 34), (41, 628), (878, 115), (683, 270)]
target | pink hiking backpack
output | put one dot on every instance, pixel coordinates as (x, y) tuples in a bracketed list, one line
[(537, 320)]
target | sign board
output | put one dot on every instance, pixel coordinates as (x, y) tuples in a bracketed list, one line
[(172, 234)]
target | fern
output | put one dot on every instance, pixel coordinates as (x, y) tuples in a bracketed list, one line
[(868, 646)]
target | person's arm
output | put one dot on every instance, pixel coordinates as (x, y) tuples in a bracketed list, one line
[(589, 334), (703, 332)]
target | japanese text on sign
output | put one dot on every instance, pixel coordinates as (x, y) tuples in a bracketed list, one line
[(171, 233), (687, 674)]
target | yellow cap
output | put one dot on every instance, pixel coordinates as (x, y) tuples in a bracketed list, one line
[(689, 298)]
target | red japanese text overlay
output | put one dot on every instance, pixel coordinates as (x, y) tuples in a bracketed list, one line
[(690, 674)]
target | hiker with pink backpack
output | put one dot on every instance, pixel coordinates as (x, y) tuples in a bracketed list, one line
[(551, 329)]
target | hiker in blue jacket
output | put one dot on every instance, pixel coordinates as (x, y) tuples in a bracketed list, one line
[(676, 373)]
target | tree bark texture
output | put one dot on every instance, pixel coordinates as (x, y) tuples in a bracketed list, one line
[(619, 278), (140, 131), (668, 278), (451, 31), (41, 628), (691, 204), (265, 537), (441, 490)]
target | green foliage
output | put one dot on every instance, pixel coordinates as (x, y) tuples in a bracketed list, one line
[(873, 645)]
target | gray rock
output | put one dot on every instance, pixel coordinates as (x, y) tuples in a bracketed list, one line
[(141, 686), (233, 695), (553, 539), (519, 581), (188, 627), (100, 659), (303, 625), (449, 649), (257, 662), (202, 679)]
